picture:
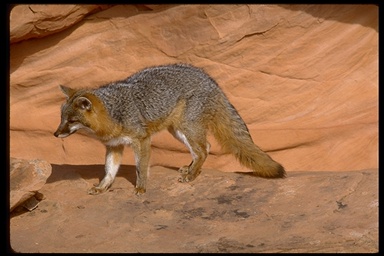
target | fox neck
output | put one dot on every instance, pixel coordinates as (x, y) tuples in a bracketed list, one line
[(100, 122)]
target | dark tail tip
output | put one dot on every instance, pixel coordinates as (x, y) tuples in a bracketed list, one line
[(276, 171), (281, 173)]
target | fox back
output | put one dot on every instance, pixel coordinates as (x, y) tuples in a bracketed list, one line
[(153, 93)]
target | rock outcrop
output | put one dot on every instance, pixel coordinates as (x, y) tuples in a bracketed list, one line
[(303, 77), (26, 179), (35, 21)]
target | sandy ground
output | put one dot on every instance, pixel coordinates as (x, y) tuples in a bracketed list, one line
[(218, 212)]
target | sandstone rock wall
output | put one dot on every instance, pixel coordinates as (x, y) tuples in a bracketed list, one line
[(303, 77)]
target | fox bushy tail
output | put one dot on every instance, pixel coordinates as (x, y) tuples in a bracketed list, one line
[(233, 135)]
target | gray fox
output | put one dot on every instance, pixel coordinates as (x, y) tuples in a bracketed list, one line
[(180, 98)]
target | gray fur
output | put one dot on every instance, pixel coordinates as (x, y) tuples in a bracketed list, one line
[(153, 93)]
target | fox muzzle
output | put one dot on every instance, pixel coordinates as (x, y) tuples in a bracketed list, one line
[(63, 131)]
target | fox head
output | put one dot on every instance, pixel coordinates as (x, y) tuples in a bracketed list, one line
[(74, 113)]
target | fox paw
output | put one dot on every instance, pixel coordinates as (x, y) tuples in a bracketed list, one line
[(186, 178), (139, 191), (96, 190), (184, 170)]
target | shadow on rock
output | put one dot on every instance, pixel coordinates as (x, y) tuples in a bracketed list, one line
[(72, 172)]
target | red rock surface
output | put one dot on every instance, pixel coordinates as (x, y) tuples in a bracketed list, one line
[(303, 77), (230, 212)]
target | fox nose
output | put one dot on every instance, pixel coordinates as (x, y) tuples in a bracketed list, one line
[(58, 131)]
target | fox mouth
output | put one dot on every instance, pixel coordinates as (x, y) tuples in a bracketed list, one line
[(63, 135)]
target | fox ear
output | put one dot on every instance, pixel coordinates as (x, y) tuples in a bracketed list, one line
[(67, 91), (83, 103)]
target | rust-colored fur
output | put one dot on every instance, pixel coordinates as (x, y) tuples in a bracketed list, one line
[(234, 138)]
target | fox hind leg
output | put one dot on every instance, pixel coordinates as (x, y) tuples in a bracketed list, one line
[(197, 144)]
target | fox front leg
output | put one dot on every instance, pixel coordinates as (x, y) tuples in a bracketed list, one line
[(112, 164), (142, 152)]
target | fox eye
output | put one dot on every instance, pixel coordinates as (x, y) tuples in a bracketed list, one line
[(72, 120)]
